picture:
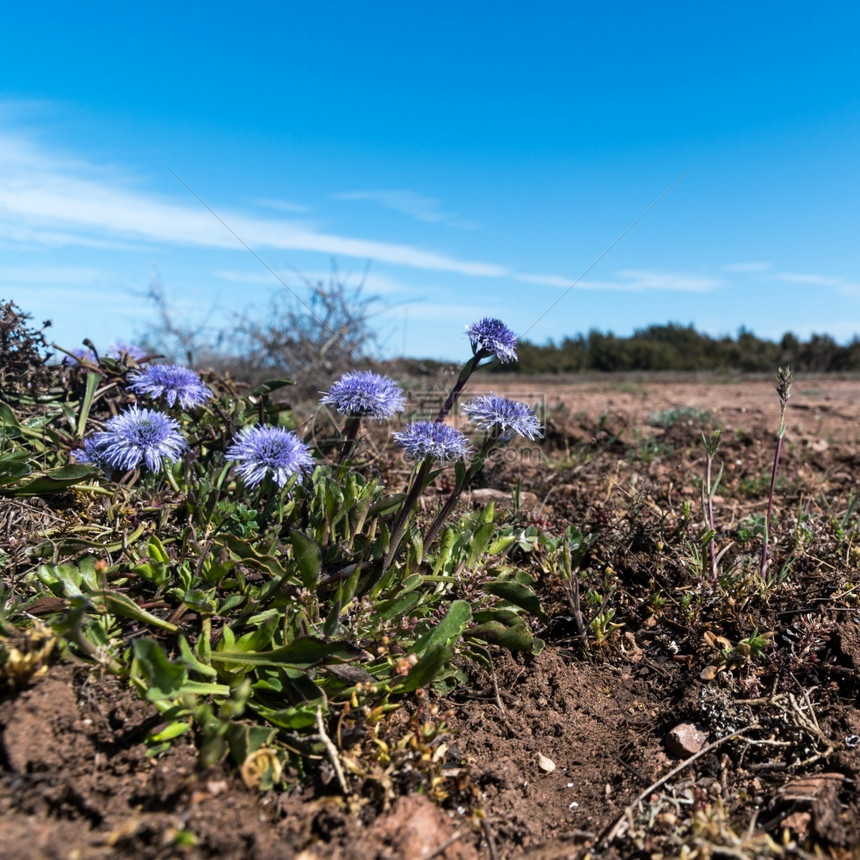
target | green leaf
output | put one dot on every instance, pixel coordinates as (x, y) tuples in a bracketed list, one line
[(193, 661), (53, 482), (397, 607), (64, 580), (308, 558), (505, 628), (448, 630), (386, 504), (251, 556), (89, 577), (86, 404), (302, 653), (156, 676), (231, 602), (8, 418), (299, 717), (12, 469), (425, 670), (156, 551), (272, 385), (174, 730), (518, 594), (500, 544), (244, 739), (479, 542), (411, 582), (121, 604)]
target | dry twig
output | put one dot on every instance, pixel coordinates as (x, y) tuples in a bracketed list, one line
[(331, 749), (607, 840)]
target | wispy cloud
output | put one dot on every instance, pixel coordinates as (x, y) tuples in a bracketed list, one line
[(841, 285), (418, 206), (804, 278), (283, 205), (752, 266), (42, 274), (633, 281), (58, 198), (237, 276), (372, 283)]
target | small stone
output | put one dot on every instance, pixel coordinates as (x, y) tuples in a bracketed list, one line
[(798, 823), (545, 764), (685, 740), (528, 501), (667, 819)]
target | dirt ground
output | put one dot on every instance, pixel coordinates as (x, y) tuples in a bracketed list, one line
[(547, 756)]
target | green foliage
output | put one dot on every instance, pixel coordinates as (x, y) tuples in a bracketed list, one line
[(246, 615), (682, 348)]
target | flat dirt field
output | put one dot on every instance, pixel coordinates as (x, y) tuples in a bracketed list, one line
[(670, 714)]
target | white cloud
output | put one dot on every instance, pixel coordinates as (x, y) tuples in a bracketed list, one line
[(841, 285), (283, 205), (242, 277), (753, 266), (801, 278), (372, 283), (41, 274), (633, 280), (51, 196), (427, 209)]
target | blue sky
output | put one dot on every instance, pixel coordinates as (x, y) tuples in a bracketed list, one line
[(477, 157)]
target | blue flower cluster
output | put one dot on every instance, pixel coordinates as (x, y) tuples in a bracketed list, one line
[(172, 382), (365, 394), (490, 336), (273, 451), (493, 413), (134, 437), (431, 439), (121, 348), (147, 438), (115, 350), (77, 355)]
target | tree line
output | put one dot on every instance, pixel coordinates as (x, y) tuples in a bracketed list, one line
[(678, 347)]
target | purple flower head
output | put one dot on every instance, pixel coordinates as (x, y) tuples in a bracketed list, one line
[(121, 348), (362, 393), (490, 335), (78, 355), (92, 453), (172, 382), (509, 417), (134, 437), (262, 451), (429, 439)]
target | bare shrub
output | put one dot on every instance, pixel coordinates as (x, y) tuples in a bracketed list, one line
[(311, 340), (23, 353)]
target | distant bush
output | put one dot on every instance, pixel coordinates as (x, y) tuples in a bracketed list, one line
[(682, 348), (309, 339)]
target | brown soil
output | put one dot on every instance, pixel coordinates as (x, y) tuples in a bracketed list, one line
[(552, 751)]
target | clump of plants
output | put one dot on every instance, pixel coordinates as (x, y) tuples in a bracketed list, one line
[(260, 588)]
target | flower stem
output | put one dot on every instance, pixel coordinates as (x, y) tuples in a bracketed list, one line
[(463, 481), (349, 436), (712, 550), (419, 482), (468, 369), (767, 521), (784, 378)]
